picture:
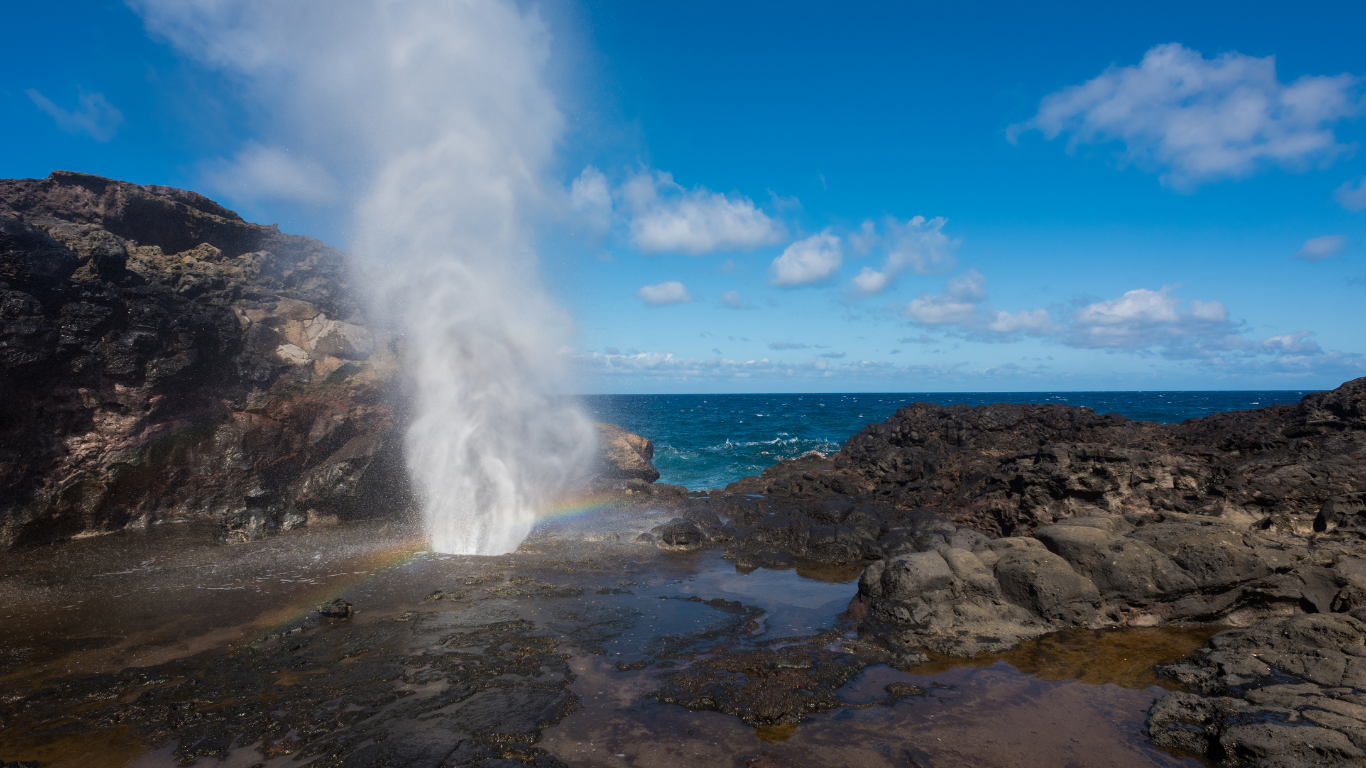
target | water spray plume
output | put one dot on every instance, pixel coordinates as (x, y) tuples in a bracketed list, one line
[(446, 107)]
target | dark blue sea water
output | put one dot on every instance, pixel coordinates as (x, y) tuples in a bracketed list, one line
[(707, 441)]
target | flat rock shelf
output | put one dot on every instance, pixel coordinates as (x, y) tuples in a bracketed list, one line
[(160, 648)]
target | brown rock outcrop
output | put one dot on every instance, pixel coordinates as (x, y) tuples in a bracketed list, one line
[(624, 455), (161, 358)]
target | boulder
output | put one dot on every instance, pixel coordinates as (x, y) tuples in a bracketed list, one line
[(957, 593), (624, 455), (1346, 512)]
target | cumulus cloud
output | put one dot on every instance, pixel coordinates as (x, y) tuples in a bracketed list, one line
[(918, 245), (671, 292), (1320, 248), (807, 262), (1144, 319), (959, 307), (1352, 194), (1141, 321), (258, 172), (95, 116), (1197, 120), (665, 217)]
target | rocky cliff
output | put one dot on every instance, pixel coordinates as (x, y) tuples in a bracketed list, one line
[(1010, 468), (162, 358)]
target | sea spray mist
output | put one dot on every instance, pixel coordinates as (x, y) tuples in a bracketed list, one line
[(435, 121)]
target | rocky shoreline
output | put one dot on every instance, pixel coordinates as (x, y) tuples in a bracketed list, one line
[(163, 360)]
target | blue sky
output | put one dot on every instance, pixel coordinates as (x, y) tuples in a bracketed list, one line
[(805, 197)]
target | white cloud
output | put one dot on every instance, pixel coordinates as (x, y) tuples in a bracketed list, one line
[(1034, 322), (959, 307), (665, 217), (1197, 120), (590, 200), (783, 345), (269, 173), (732, 299), (96, 117), (918, 245), (1143, 319), (1292, 344), (671, 292), (1320, 248), (1352, 194), (807, 262)]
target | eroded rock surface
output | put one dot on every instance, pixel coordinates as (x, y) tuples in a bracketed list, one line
[(1009, 468), (963, 597), (161, 358), (1287, 692)]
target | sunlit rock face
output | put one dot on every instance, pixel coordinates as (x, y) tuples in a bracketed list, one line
[(160, 357)]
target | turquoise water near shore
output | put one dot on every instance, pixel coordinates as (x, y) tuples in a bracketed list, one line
[(707, 441)]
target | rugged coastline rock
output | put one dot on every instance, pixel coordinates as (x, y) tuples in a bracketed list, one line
[(1009, 468), (161, 359), (1284, 693)]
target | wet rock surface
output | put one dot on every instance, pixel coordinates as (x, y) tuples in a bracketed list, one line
[(1285, 692), (449, 661)]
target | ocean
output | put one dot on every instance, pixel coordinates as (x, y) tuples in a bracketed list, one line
[(707, 441)]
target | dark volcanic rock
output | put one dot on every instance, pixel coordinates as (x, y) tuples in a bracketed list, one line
[(1346, 512), (962, 596), (1286, 692), (456, 693), (1010, 468), (161, 358)]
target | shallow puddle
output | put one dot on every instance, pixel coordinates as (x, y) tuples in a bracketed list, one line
[(794, 602), (1077, 699), (1122, 657)]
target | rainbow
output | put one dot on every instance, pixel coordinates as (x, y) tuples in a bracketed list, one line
[(574, 507), (382, 560), (387, 558)]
